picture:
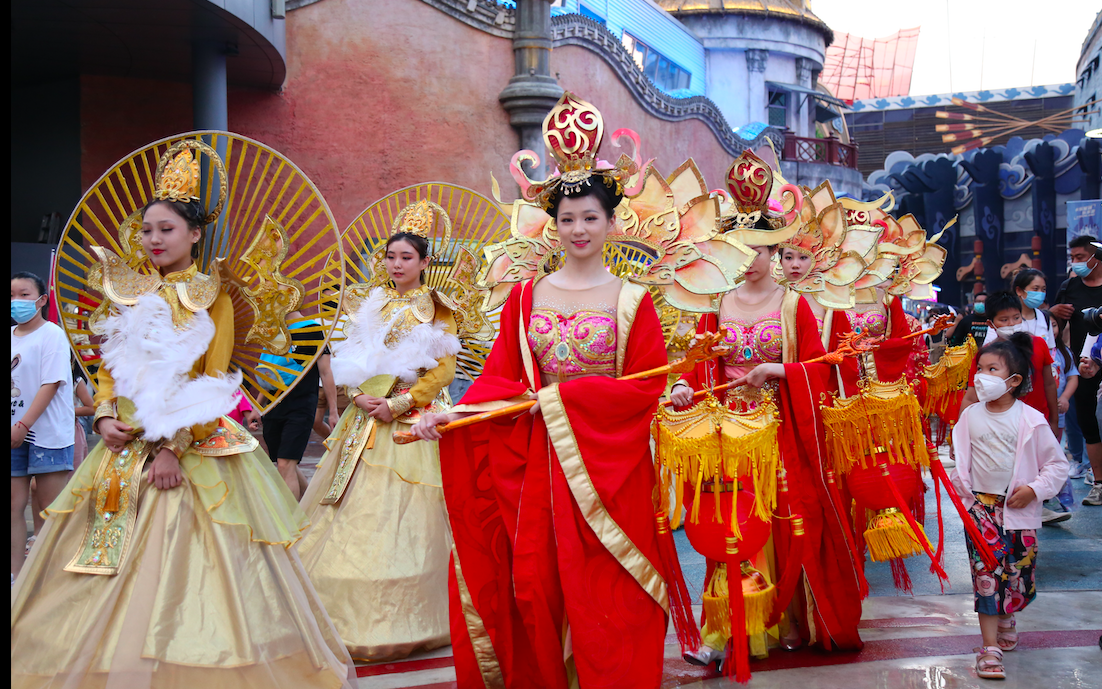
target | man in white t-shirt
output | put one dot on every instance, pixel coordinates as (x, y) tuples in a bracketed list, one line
[(43, 417)]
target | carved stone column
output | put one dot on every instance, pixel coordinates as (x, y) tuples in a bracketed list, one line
[(756, 95), (805, 122), (532, 91)]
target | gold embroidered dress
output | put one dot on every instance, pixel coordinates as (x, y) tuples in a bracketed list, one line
[(378, 546), (195, 586)]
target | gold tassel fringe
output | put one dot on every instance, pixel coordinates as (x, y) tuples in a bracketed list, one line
[(758, 605), (709, 443), (883, 418), (947, 377), (890, 536)]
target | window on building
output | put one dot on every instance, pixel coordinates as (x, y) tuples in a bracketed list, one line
[(665, 74), (778, 109)]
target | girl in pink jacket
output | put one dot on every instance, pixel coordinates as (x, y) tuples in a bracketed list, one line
[(1008, 463)]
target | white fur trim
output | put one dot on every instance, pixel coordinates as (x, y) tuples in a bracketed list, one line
[(364, 354), (150, 362)]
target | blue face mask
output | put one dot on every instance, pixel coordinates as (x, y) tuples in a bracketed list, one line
[(979, 307), (1081, 269), (1034, 299), (23, 310)]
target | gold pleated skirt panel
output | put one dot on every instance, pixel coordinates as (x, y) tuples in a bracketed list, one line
[(379, 556), (199, 601)]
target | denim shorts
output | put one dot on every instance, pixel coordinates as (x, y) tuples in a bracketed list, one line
[(28, 460)]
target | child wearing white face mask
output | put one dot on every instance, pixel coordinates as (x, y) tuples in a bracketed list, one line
[(1008, 463), (1004, 311)]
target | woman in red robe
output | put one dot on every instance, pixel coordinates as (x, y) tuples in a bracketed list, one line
[(557, 576), (834, 608), (770, 331)]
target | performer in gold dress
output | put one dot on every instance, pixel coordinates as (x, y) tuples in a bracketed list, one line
[(378, 547), (167, 560)]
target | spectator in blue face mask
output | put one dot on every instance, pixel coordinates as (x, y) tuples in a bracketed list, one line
[(42, 413), (974, 324), (1080, 291), (1029, 286)]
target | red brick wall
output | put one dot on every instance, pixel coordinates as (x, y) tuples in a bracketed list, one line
[(381, 94), (119, 115)]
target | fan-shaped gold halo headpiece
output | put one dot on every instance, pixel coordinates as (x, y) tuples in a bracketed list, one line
[(272, 246)]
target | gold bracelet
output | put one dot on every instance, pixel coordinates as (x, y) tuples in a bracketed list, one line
[(400, 405)]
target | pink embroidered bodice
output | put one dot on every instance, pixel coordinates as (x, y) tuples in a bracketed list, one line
[(874, 322), (753, 342), (568, 345)]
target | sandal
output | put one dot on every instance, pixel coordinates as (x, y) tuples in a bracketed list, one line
[(989, 663), (1007, 637)]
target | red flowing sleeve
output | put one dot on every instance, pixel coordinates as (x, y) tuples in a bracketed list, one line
[(828, 565), (809, 346), (848, 370), (894, 355), (503, 376)]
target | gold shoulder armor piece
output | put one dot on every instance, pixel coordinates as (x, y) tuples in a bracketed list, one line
[(201, 290), (354, 296), (444, 300), (121, 283), (423, 308)]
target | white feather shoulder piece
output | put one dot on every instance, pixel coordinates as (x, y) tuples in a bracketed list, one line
[(364, 353), (150, 361)]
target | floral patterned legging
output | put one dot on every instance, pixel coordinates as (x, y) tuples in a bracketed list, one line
[(1012, 587)]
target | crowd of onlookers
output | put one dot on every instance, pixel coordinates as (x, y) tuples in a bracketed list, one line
[(1066, 327)]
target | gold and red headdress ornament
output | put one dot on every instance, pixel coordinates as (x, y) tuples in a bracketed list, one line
[(839, 253), (750, 183), (572, 132)]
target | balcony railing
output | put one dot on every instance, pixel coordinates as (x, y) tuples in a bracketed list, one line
[(831, 151)]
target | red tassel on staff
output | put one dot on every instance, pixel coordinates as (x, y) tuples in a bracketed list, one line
[(681, 604), (53, 314), (786, 587), (981, 546), (738, 662), (900, 577), (939, 555), (923, 541)]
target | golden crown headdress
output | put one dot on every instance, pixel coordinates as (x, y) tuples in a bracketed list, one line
[(178, 177), (572, 132), (423, 219)]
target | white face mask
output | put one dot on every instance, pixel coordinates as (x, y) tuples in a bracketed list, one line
[(1008, 330), (989, 387)]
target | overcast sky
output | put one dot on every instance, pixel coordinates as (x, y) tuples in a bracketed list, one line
[(991, 41)]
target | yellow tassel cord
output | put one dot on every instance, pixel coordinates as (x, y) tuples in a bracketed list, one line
[(883, 418), (710, 444), (947, 377), (758, 604), (114, 488), (890, 536)]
